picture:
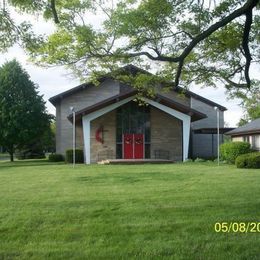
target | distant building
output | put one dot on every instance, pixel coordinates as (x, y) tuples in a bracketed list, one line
[(248, 133)]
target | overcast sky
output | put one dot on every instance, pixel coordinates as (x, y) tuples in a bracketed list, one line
[(56, 80)]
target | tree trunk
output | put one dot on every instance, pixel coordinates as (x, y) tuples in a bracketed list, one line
[(11, 152), (11, 156)]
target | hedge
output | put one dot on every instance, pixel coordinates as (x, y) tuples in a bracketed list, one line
[(249, 160), (230, 151), (55, 157), (79, 156), (29, 154)]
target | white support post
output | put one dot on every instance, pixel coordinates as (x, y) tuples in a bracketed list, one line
[(86, 133), (217, 109), (186, 138), (73, 136), (74, 139)]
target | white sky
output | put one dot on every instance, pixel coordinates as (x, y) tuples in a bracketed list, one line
[(56, 80)]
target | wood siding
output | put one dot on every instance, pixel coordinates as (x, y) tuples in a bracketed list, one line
[(166, 134)]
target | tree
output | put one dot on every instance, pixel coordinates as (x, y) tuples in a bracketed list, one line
[(23, 116), (184, 41), (37, 148), (48, 140), (251, 106)]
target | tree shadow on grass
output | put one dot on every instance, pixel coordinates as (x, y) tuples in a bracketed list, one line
[(28, 163), (102, 178)]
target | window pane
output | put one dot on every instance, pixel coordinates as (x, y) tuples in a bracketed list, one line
[(119, 151), (119, 135), (133, 119), (147, 151)]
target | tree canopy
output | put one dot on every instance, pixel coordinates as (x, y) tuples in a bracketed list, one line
[(251, 105), (23, 116), (184, 41)]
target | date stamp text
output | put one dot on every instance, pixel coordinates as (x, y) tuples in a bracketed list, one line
[(237, 227)]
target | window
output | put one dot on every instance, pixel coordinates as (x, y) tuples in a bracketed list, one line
[(256, 142), (246, 138), (133, 119), (119, 151)]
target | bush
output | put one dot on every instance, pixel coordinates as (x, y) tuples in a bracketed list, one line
[(29, 154), (188, 161), (55, 157), (249, 160), (241, 161), (79, 156), (230, 151), (199, 160), (254, 161)]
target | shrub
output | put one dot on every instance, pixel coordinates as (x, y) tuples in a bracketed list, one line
[(241, 161), (55, 157), (199, 160), (188, 161), (29, 154), (79, 156), (254, 161), (249, 160), (204, 158), (230, 151)]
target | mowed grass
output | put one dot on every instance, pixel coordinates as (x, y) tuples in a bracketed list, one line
[(51, 211)]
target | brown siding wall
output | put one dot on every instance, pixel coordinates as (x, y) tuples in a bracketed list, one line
[(107, 150), (79, 100), (58, 129), (79, 135), (209, 147), (166, 134)]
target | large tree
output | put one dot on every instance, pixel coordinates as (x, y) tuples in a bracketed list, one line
[(23, 116), (251, 105), (185, 41)]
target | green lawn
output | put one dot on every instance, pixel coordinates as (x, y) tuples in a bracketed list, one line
[(113, 212), (4, 156)]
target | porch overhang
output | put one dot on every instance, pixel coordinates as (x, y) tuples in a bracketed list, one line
[(194, 114), (98, 110)]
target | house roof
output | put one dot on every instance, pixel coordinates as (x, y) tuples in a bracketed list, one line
[(250, 128), (195, 115), (69, 92), (133, 70)]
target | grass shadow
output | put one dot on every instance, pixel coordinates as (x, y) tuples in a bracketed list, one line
[(28, 163)]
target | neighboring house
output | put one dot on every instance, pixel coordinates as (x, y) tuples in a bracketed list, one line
[(176, 125), (248, 133)]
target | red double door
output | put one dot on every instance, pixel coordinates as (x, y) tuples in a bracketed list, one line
[(133, 146)]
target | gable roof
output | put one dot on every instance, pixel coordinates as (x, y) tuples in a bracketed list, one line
[(134, 71), (250, 128), (69, 92), (195, 115)]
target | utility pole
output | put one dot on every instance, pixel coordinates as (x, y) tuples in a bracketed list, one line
[(217, 110), (73, 135)]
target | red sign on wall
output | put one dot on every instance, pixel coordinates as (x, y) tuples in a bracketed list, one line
[(133, 146)]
